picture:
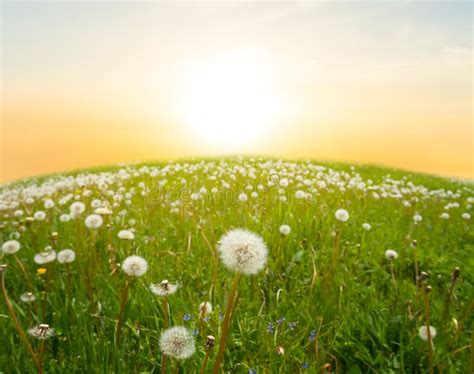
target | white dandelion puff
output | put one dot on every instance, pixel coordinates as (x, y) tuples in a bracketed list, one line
[(417, 218), (285, 230), (205, 308), (135, 266), (177, 342), (390, 254), (27, 297), (11, 246), (39, 215), (77, 208), (66, 256), (126, 235), (41, 332), (64, 217), (342, 215), (366, 226), (103, 211), (94, 221), (466, 216), (45, 257), (423, 333), (164, 288), (243, 251)]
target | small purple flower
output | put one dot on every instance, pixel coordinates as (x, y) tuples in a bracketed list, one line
[(281, 320), (312, 335), (221, 317), (270, 327), (252, 371), (305, 365), (187, 317), (207, 318), (195, 332)]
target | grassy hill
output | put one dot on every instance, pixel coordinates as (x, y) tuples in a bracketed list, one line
[(328, 298)]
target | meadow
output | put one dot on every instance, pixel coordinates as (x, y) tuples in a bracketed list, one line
[(338, 268)]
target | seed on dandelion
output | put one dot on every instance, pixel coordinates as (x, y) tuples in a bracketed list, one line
[(390, 254), (342, 215), (243, 251), (135, 266), (423, 333), (41, 332), (77, 208), (94, 221), (126, 235), (27, 297), (66, 256), (205, 308), (64, 217), (39, 215), (11, 246), (417, 218), (48, 255), (210, 342), (103, 211), (285, 230), (164, 288), (177, 342)]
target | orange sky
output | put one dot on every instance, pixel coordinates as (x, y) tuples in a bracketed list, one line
[(87, 84)]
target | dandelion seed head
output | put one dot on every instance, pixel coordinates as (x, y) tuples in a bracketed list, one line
[(126, 235), (342, 215), (177, 342), (66, 256), (423, 333), (164, 288), (27, 297), (11, 246), (205, 308), (243, 251), (93, 221), (48, 255), (41, 332), (77, 208), (390, 254), (285, 230), (135, 266)]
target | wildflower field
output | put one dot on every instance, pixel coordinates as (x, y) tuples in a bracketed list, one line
[(241, 265)]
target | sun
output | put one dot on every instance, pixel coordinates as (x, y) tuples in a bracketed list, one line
[(230, 100)]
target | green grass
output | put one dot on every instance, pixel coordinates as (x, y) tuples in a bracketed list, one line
[(361, 321)]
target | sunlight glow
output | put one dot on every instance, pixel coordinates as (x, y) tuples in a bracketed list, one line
[(230, 100)]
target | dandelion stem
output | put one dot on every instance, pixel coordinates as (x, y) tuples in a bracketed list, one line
[(204, 362), (163, 364), (428, 331), (393, 276), (123, 302), (22, 334), (226, 323), (165, 313), (23, 270), (215, 258)]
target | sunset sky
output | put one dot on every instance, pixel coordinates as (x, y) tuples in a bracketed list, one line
[(89, 83)]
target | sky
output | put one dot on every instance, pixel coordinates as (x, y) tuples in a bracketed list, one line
[(92, 83)]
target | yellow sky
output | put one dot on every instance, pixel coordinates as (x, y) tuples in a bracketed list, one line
[(87, 84)]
